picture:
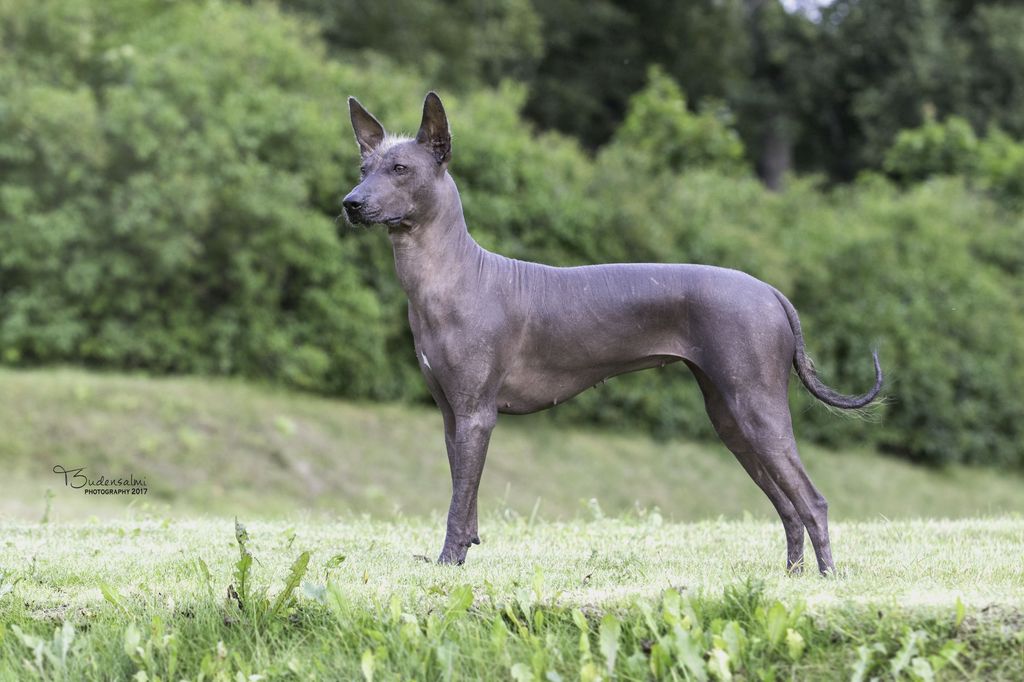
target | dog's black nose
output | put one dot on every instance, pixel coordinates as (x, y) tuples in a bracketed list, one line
[(351, 204)]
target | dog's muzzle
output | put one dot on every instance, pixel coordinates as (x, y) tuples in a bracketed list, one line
[(354, 209)]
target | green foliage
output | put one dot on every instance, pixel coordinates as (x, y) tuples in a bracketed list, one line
[(994, 163), (676, 638), (816, 87), (112, 596), (164, 198), (592, 62), (1001, 167), (994, 34), (155, 651), (295, 576), (254, 601), (457, 43), (522, 610), (169, 203), (912, 271), (48, 658), (946, 148), (659, 127)]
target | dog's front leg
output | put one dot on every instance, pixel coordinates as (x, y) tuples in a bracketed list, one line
[(472, 433)]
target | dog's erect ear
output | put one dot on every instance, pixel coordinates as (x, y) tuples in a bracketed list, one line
[(434, 133), (369, 131)]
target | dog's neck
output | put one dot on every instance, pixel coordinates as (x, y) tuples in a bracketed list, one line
[(432, 251)]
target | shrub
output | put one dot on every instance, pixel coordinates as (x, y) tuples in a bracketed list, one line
[(164, 198), (666, 134), (994, 163)]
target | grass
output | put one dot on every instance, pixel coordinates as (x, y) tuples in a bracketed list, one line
[(634, 596), (226, 447), (605, 555)]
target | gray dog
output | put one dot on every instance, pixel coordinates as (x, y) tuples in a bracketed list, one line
[(495, 334)]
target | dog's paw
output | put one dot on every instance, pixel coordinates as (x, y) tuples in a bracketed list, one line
[(452, 556)]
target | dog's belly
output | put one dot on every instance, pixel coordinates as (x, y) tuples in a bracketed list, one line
[(536, 388), (559, 360)]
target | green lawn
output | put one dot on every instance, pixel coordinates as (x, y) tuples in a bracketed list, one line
[(606, 555), (227, 447), (949, 593)]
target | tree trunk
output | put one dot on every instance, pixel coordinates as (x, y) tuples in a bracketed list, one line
[(775, 144), (775, 157)]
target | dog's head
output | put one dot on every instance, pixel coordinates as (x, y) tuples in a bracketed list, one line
[(400, 176)]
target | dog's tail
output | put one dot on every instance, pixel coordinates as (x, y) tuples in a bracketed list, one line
[(805, 368)]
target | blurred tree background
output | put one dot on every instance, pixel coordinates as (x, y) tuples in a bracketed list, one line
[(170, 173)]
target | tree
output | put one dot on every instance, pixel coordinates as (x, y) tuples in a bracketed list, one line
[(453, 44)]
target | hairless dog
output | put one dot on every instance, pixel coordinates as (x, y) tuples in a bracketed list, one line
[(494, 334)]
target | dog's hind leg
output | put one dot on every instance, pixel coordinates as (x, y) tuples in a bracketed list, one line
[(762, 417), (778, 456), (733, 438)]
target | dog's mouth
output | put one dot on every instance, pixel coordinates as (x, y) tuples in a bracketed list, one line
[(373, 218)]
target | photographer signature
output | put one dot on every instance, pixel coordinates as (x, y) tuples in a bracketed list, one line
[(76, 478)]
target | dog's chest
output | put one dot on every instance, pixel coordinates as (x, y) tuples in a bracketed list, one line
[(437, 333)]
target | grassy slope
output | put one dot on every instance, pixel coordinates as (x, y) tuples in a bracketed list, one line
[(898, 582), (228, 447)]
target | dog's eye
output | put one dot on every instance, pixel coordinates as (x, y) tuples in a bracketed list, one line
[(362, 171), (398, 168)]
